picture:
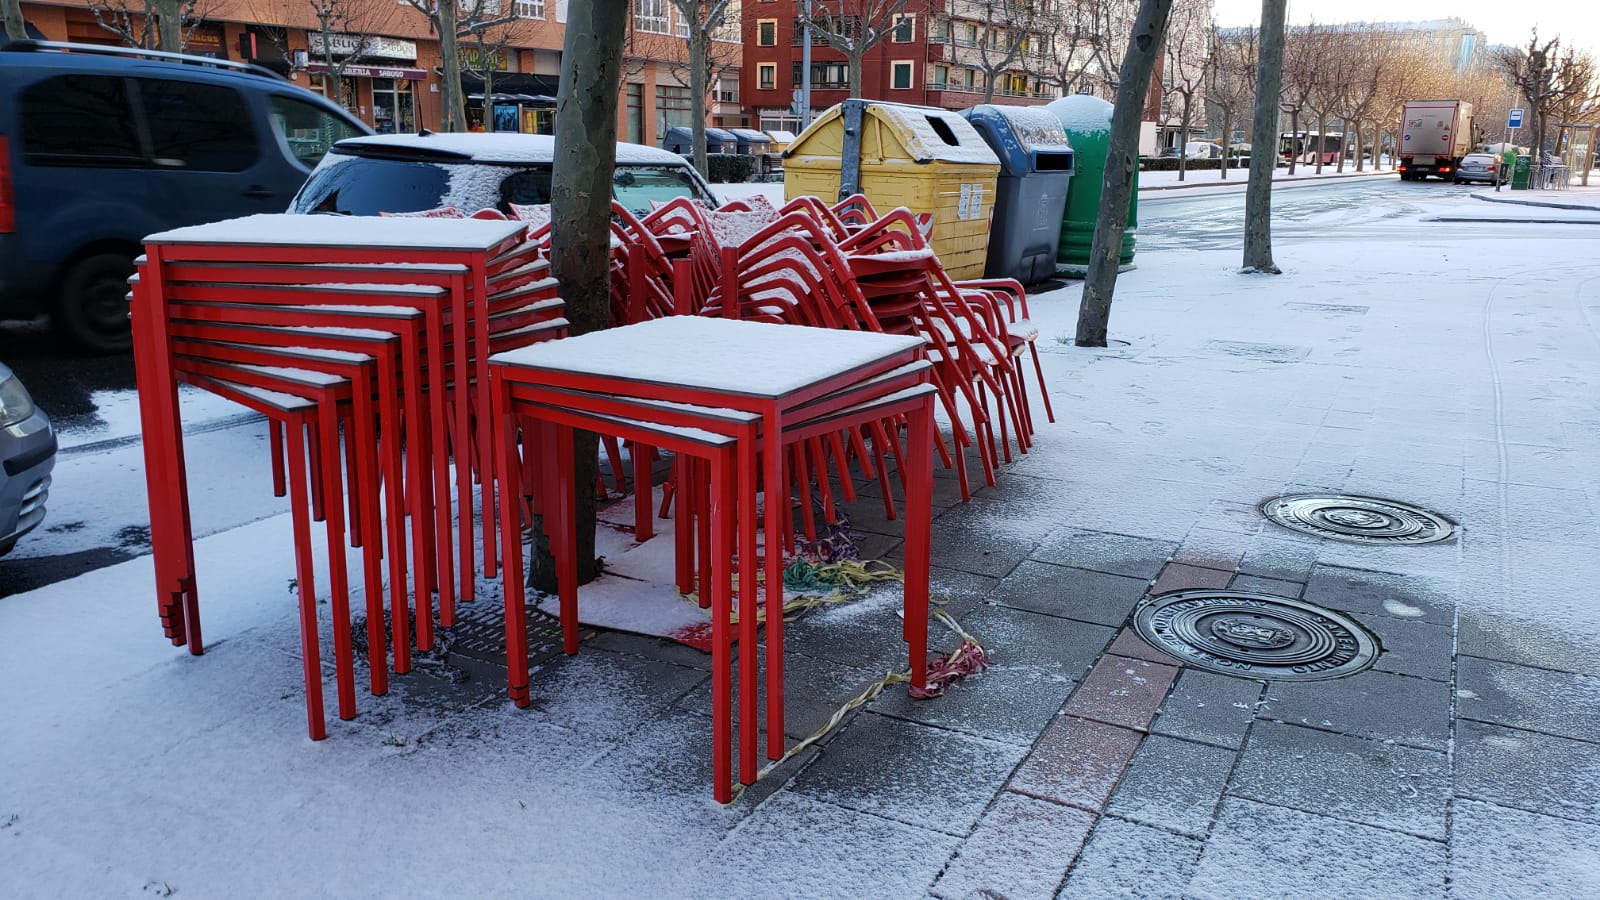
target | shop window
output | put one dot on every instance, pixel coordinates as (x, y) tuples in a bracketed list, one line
[(673, 108)]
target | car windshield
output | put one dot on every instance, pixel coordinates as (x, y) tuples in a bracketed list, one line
[(364, 186)]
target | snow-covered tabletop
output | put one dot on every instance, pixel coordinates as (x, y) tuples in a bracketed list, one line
[(364, 232), (725, 355)]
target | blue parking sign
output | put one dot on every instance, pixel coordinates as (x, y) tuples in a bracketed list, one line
[(1515, 119)]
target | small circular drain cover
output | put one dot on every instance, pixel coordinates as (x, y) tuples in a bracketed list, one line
[(1358, 520), (1255, 635)]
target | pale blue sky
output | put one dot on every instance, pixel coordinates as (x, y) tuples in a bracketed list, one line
[(1501, 21)]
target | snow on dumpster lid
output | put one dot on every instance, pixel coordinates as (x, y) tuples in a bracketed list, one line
[(928, 134), (1082, 113), (1038, 127)]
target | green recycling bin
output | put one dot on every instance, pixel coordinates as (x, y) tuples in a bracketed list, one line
[(1087, 121), (1521, 172)]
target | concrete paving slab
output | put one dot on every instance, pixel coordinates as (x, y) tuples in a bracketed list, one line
[(1373, 704), (1412, 647), (1259, 850), (825, 851), (1354, 779), (1116, 554), (1021, 849), (1255, 584), (1557, 703), (1125, 859), (1173, 784), (1209, 708), (1501, 852), (1528, 770), (1072, 593), (1035, 660), (1368, 593), (929, 777)]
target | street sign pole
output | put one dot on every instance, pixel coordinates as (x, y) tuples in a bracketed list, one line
[(805, 69)]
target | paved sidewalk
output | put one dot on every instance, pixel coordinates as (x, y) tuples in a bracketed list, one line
[(1576, 197), (1084, 763)]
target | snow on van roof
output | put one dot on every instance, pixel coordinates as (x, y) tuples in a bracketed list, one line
[(505, 148), (926, 141)]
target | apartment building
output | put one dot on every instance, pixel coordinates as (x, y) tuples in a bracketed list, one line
[(939, 53), (386, 59)]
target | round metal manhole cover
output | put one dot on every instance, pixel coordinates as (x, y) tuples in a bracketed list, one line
[(1358, 520), (1255, 635)]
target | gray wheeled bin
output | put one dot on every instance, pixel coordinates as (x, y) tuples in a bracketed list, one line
[(680, 139), (1036, 166)]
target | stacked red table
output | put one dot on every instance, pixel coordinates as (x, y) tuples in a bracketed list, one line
[(456, 255), (708, 379)]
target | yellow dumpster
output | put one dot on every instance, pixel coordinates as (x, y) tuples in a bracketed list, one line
[(927, 160)]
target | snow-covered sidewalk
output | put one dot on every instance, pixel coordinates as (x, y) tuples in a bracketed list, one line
[(1454, 369)]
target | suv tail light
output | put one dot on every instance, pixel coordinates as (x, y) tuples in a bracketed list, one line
[(8, 207)]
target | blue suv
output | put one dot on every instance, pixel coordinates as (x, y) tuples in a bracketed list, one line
[(100, 146)]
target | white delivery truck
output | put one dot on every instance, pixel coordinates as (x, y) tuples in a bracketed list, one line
[(1434, 135)]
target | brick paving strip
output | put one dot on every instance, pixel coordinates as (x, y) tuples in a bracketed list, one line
[(1039, 823)]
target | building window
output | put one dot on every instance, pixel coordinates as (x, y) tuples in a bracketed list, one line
[(905, 29), (941, 31), (901, 76), (766, 32), (672, 108), (728, 30), (941, 77), (650, 17), (969, 35), (635, 112), (767, 76), (970, 78), (528, 9)]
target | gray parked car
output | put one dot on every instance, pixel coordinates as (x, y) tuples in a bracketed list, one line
[(27, 454)]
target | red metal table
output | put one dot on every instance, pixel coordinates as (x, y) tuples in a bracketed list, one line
[(773, 371), (289, 239)]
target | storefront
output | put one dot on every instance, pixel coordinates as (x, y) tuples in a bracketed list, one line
[(375, 85)]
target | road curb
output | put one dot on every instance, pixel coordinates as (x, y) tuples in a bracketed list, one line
[(1582, 207), (1246, 180)]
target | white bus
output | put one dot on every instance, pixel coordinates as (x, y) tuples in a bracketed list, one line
[(1305, 146)]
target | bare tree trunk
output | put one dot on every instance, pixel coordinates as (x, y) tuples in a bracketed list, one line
[(988, 87), (11, 10), (697, 86), (1227, 135), (1361, 150), (1122, 164), (1183, 136), (1258, 197), (580, 198), (455, 105), (1322, 140), (853, 72), (169, 24)]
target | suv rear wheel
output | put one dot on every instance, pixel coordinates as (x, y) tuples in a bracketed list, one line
[(93, 306)]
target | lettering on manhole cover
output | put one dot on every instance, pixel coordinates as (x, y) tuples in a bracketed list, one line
[(1357, 520), (1255, 635)]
